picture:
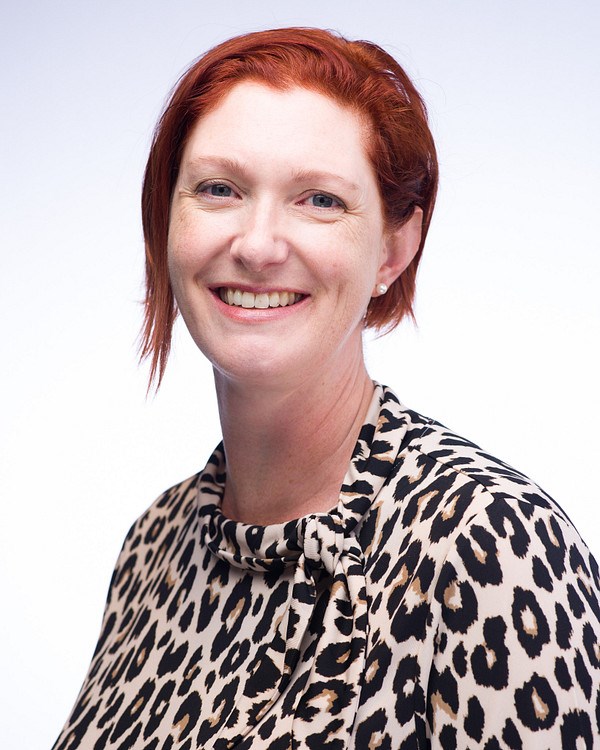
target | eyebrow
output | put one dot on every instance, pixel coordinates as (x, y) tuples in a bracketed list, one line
[(297, 175), (223, 162), (316, 175)]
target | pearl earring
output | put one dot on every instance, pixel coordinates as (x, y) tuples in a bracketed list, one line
[(381, 288)]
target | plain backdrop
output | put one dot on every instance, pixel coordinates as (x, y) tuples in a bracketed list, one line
[(506, 351)]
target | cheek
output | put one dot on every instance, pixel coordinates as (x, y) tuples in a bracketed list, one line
[(351, 252), (184, 249), (176, 262), (356, 263), (195, 239), (180, 260), (183, 262)]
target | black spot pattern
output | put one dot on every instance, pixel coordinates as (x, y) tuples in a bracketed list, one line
[(576, 725), (537, 706), (561, 672), (459, 602), (511, 736), (529, 622), (405, 683), (564, 629), (480, 557), (459, 660), (489, 660), (475, 719), (541, 574)]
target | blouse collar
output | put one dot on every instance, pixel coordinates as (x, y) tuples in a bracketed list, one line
[(277, 546)]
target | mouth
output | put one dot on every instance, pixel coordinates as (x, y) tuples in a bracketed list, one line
[(258, 301)]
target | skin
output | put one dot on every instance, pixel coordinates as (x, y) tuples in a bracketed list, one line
[(270, 199)]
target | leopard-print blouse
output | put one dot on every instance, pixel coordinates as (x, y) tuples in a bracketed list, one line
[(446, 602)]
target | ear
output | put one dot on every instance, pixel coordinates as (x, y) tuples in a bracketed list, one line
[(399, 248)]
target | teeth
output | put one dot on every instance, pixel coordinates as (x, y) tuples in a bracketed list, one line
[(261, 301)]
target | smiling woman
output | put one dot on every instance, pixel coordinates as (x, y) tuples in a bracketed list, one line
[(344, 572)]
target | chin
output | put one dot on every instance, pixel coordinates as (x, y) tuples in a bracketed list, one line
[(258, 366)]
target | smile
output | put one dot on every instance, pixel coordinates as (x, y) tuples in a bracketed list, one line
[(260, 301)]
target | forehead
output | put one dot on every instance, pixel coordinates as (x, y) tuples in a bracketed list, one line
[(255, 120)]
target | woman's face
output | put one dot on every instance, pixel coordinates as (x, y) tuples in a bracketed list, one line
[(276, 237)]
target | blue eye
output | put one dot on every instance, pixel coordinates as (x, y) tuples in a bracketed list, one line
[(320, 200), (218, 190)]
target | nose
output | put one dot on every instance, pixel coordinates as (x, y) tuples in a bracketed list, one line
[(259, 242)]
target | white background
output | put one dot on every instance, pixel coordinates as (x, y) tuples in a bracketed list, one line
[(506, 351)]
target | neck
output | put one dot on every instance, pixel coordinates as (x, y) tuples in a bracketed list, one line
[(288, 449)]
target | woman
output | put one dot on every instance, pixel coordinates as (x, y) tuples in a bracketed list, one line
[(439, 598)]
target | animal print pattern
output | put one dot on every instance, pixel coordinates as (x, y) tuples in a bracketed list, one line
[(446, 602)]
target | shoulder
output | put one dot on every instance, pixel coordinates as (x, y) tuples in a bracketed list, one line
[(452, 481), (171, 508), (171, 514), (467, 503), (477, 520), (463, 456), (152, 536), (444, 495)]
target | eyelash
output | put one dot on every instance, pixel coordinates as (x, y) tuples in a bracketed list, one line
[(203, 187)]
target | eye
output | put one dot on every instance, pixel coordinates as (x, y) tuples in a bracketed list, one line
[(216, 190), (323, 200)]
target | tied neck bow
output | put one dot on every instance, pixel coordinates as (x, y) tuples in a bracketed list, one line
[(320, 661), (332, 683), (322, 540)]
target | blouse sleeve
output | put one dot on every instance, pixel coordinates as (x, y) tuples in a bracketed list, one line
[(516, 659)]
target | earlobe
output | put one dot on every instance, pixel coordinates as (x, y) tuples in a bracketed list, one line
[(401, 246)]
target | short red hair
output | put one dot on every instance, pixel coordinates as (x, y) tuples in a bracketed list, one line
[(359, 75)]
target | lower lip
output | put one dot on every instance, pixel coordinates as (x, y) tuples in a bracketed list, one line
[(255, 314)]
